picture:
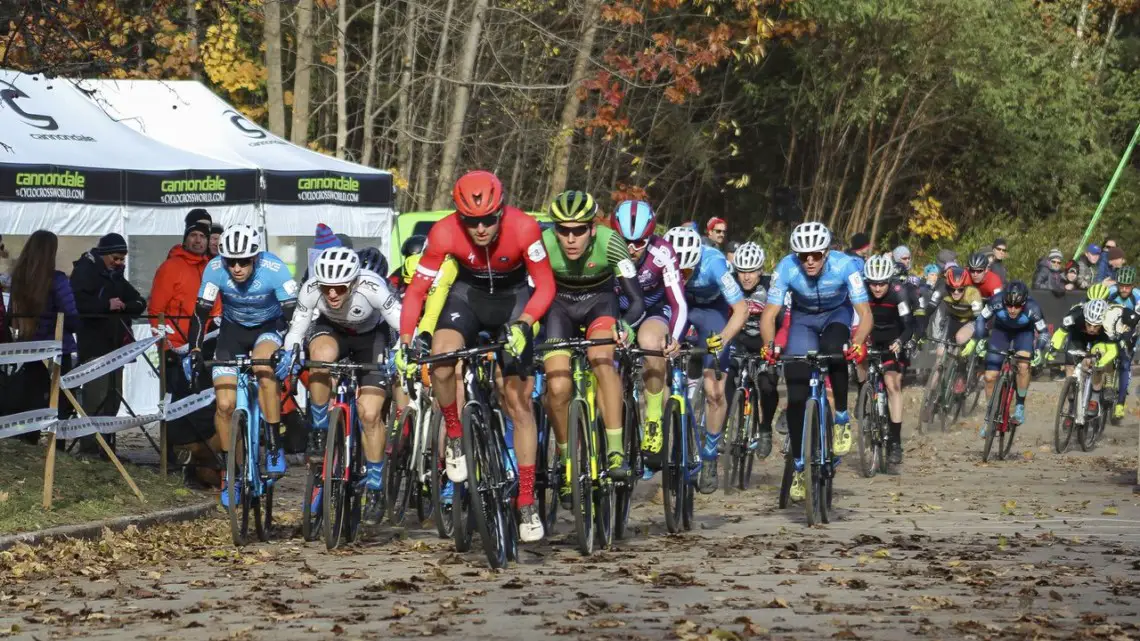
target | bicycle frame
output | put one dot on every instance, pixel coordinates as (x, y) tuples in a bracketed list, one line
[(252, 428)]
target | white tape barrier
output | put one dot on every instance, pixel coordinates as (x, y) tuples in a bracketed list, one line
[(29, 351), (185, 348), (79, 427), (107, 363), (185, 406), (24, 422)]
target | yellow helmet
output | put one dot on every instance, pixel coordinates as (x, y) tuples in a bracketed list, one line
[(573, 207), (1097, 291), (410, 264)]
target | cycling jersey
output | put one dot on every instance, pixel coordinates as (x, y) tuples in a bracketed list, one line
[(369, 304), (990, 285), (659, 275), (712, 281), (965, 308), (891, 316), (498, 268), (594, 272), (1073, 327), (1029, 318), (437, 296), (263, 297), (1132, 301), (839, 284)]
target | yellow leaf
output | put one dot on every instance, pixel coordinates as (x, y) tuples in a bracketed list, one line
[(1110, 511), (1003, 542), (882, 554)]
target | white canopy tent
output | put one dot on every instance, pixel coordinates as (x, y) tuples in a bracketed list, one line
[(66, 167), (299, 187)]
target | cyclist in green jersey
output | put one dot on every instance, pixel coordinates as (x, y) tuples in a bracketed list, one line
[(586, 259)]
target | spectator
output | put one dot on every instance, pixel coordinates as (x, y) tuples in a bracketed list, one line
[(198, 215), (861, 248), (324, 239), (215, 234), (730, 251), (5, 271), (1072, 278), (997, 265), (345, 240), (39, 292), (102, 291), (946, 258), (1115, 261), (716, 229), (1087, 266), (175, 293), (1048, 275), (1103, 270), (901, 256)]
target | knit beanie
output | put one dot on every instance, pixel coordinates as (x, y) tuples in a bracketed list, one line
[(111, 244), (325, 238), (198, 215)]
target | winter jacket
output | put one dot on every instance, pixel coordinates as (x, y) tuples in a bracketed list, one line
[(175, 291), (1045, 278), (1086, 271), (61, 299), (998, 267), (94, 286)]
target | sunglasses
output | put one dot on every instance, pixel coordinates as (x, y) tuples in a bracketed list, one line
[(339, 290), (238, 262), (574, 231), (637, 247), (473, 222), (977, 271), (999, 249), (717, 231), (957, 290), (813, 257), (1054, 261)]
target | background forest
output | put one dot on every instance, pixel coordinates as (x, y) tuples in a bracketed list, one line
[(930, 122)]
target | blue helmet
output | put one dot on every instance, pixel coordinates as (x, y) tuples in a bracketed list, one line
[(634, 220)]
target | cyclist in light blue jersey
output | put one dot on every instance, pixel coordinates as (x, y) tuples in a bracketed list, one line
[(1124, 293), (824, 289), (258, 295), (718, 312)]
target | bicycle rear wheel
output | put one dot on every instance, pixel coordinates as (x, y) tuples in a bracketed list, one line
[(398, 470), (631, 442), (237, 473), (1066, 419), (426, 499), (311, 510), (354, 491), (974, 384), (336, 479), (581, 483), (931, 395), (786, 481), (946, 397), (673, 470), (484, 479), (604, 492), (865, 414), (548, 470), (462, 518), (437, 479)]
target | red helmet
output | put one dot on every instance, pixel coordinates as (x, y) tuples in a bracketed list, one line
[(956, 277), (478, 193)]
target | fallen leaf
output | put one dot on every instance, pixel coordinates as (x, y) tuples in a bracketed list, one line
[(778, 603), (882, 553), (1110, 511)]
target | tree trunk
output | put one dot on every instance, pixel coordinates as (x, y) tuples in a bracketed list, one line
[(564, 137), (430, 128), (370, 91), (403, 116), (1108, 37), (839, 192), (192, 20), (459, 105), (341, 77), (302, 79), (1082, 18), (275, 87)]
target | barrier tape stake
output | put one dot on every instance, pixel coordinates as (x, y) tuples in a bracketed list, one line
[(162, 444), (106, 448), (53, 403)]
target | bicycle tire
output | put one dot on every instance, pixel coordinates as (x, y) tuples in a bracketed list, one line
[(426, 503), (993, 410), (752, 420), (335, 483), (581, 483), (483, 477), (398, 469), (672, 473), (311, 511), (1068, 396), (1091, 434), (930, 396), (354, 489), (1005, 439), (947, 397), (462, 519), (975, 384), (548, 471), (604, 493), (692, 470), (263, 514), (808, 445), (826, 474), (631, 443), (786, 481), (437, 479), (737, 449), (865, 441), (238, 503)]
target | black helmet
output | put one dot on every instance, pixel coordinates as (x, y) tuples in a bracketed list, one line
[(978, 260), (413, 245), (372, 260), (1016, 294), (732, 246)]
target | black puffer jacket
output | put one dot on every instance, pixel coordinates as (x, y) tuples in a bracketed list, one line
[(94, 286)]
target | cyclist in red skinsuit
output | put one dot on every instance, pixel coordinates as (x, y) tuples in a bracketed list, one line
[(496, 247), (987, 282)]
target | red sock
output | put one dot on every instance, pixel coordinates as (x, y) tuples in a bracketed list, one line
[(526, 485), (451, 419)]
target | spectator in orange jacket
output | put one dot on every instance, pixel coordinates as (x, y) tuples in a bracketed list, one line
[(175, 293)]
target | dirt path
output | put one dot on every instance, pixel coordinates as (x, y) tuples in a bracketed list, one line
[(1039, 547)]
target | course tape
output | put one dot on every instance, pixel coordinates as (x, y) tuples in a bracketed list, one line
[(107, 363), (79, 427), (29, 351), (184, 406), (24, 422), (185, 347)]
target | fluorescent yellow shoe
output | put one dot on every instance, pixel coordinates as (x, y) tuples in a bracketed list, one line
[(797, 491), (1118, 411), (841, 434)]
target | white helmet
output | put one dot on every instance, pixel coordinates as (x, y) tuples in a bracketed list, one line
[(810, 237), (239, 241), (748, 257), (337, 266), (1094, 311), (687, 243), (878, 269)]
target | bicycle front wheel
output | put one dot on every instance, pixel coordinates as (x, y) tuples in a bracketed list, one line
[(548, 470), (336, 478), (673, 470), (581, 477), (311, 510), (808, 449), (865, 414), (995, 415), (604, 492), (1095, 425), (437, 479), (484, 479), (398, 469), (735, 436), (237, 478), (631, 442), (1066, 419)]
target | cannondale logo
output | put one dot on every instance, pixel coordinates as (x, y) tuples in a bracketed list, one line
[(244, 125), (9, 93)]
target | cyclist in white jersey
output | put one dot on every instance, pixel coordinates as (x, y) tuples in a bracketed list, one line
[(352, 307)]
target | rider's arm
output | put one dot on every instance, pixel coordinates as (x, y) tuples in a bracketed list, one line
[(302, 315), (538, 266), (1039, 325), (286, 292), (777, 290), (1059, 338), (857, 294), (674, 292), (617, 254), (208, 294), (907, 319), (439, 240), (382, 298), (733, 296), (981, 319), (437, 296)]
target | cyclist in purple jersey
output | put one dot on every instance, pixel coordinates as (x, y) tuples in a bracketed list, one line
[(666, 312)]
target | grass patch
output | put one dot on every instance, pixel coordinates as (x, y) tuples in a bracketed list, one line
[(85, 490)]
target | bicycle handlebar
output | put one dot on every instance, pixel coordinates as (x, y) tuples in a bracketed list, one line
[(345, 367), (574, 344), (812, 358), (242, 361), (458, 354)]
